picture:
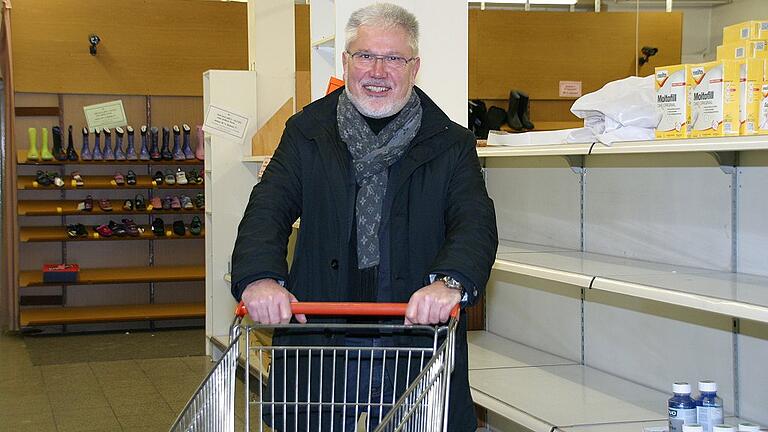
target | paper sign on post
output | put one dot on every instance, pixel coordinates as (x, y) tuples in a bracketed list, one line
[(105, 115), (225, 123), (570, 89)]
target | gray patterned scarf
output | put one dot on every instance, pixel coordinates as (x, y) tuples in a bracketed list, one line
[(371, 157)]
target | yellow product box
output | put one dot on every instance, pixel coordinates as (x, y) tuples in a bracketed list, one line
[(743, 50), (714, 98), (672, 101), (750, 84), (762, 126), (745, 30)]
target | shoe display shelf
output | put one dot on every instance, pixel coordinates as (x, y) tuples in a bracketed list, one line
[(21, 159), (151, 274), (101, 182), (621, 270), (69, 208)]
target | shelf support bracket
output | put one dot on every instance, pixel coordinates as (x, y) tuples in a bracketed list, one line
[(728, 160), (576, 162)]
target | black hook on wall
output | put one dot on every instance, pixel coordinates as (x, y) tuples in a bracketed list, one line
[(647, 52), (94, 40)]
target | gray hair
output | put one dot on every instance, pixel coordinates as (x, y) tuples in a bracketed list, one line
[(384, 15)]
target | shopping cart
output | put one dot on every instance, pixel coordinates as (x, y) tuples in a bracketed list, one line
[(332, 388)]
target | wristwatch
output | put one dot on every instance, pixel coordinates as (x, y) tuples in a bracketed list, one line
[(456, 285)]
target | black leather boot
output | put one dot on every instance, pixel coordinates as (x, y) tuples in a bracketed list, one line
[(154, 149), (166, 149), (523, 110), (58, 148), (71, 153), (513, 118), (495, 118)]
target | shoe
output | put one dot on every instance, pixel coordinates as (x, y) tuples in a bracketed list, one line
[(107, 152), (158, 227), (77, 178), (170, 179), (154, 150), (128, 205), (103, 230), (58, 147), (158, 177), (144, 151), (105, 205), (117, 229), (181, 177), (119, 179), (131, 228), (193, 177), (195, 227), (80, 206), (57, 180), (200, 148), (186, 202), (119, 153), (199, 200), (97, 145), (130, 151), (81, 231), (88, 203), (32, 153), (513, 119), (71, 153), (523, 110), (178, 154), (156, 203), (130, 178), (166, 202), (175, 203), (179, 229), (85, 151), (71, 231), (43, 179), (45, 153), (185, 148), (165, 152), (140, 204)]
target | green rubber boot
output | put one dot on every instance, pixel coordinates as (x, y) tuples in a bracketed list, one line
[(32, 152), (45, 152)]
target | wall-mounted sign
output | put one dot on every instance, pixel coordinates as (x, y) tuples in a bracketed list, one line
[(570, 89)]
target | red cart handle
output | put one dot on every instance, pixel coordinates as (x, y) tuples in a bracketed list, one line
[(345, 309)]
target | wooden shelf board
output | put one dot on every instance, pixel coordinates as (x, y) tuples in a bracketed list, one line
[(101, 182), (58, 233), (56, 208), (21, 159), (118, 313), (29, 278)]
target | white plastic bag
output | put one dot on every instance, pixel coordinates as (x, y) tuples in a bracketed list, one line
[(627, 102)]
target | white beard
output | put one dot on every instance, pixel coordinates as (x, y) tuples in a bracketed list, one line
[(389, 109)]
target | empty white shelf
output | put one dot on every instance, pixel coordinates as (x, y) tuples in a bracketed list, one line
[(540, 398), (734, 294), (630, 427), (327, 42), (489, 351), (534, 150), (255, 159)]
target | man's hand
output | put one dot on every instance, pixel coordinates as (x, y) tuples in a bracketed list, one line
[(431, 304), (269, 303)]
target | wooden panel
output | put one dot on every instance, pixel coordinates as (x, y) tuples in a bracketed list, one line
[(534, 51), (59, 233), (37, 111), (72, 111), (302, 38), (303, 89), (147, 47), (69, 207), (168, 111), (265, 141), (93, 314)]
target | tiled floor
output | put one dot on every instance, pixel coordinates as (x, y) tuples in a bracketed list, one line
[(125, 395)]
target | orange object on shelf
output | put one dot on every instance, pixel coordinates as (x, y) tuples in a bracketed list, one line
[(333, 84)]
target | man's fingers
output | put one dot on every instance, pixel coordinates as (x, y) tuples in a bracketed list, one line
[(299, 317), (412, 309)]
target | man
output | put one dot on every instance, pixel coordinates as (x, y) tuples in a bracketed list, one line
[(392, 203)]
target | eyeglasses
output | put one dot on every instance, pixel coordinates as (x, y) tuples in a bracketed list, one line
[(366, 59)]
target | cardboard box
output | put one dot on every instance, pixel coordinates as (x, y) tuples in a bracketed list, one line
[(750, 84), (745, 30), (714, 98), (743, 50), (672, 101), (61, 273), (762, 120)]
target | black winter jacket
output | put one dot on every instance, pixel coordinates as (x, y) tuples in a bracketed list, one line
[(441, 220)]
